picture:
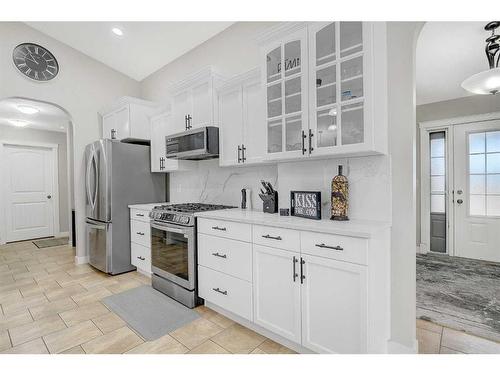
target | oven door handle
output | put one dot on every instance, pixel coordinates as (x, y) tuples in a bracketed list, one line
[(168, 229)]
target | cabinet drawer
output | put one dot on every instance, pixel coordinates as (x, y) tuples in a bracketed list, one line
[(141, 257), (225, 255), (281, 238), (348, 249), (139, 215), (227, 229), (140, 233), (228, 292)]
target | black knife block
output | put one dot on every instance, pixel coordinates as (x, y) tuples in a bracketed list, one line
[(270, 202)]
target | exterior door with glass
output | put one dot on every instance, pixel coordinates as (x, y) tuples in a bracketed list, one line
[(477, 190)]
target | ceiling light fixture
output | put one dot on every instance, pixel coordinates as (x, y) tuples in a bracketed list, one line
[(27, 109), (117, 31), (19, 123), (488, 81)]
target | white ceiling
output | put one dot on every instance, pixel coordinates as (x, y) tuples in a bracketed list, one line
[(448, 53), (49, 116), (144, 47)]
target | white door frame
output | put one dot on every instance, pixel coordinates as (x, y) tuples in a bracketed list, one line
[(446, 125), (3, 189)]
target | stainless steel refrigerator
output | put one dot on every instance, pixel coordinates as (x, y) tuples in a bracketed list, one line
[(117, 174)]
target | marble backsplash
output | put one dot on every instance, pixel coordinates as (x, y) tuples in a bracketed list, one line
[(369, 183)]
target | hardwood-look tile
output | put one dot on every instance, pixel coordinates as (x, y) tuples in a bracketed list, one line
[(108, 322), (16, 285), (445, 350), (74, 350), (209, 347), (12, 321), (80, 269), (116, 342), (33, 347), (428, 341), (4, 341), (51, 308), (238, 339), (68, 291), (271, 347), (465, 343), (30, 275), (163, 345), (67, 338), (193, 334), (98, 284), (258, 351), (39, 266), (39, 288), (91, 296), (424, 324), (36, 329), (83, 313), (23, 304), (214, 317)]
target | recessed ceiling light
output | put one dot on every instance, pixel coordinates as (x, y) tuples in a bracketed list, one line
[(27, 110), (117, 31), (19, 123)]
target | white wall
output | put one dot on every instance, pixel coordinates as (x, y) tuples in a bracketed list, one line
[(82, 87), (13, 134)]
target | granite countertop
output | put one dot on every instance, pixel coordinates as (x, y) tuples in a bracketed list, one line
[(145, 206), (354, 228)]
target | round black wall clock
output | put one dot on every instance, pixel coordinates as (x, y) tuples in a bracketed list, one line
[(35, 62)]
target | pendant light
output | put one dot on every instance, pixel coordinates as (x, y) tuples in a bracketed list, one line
[(488, 81)]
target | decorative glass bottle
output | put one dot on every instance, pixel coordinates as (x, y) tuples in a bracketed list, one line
[(340, 196)]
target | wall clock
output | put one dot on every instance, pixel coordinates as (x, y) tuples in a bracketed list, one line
[(35, 62)]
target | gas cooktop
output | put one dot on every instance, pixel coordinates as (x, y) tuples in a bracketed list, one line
[(182, 213)]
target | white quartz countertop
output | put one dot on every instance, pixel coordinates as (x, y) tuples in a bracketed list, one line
[(354, 228), (145, 206)]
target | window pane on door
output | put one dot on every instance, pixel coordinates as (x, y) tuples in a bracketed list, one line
[(484, 173)]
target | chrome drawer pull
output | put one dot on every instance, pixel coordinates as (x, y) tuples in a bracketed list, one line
[(140, 233), (141, 258), (220, 291), (272, 238), (219, 228), (141, 215), (322, 245), (219, 255)]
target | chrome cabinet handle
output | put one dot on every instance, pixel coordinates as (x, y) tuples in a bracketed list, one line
[(141, 258), (220, 291), (113, 134), (219, 255), (322, 245), (219, 228), (295, 260), (243, 157), (310, 141), (141, 215), (140, 233), (272, 238), (460, 201), (303, 142), (239, 152)]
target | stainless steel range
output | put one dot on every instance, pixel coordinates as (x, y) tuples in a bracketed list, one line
[(173, 249)]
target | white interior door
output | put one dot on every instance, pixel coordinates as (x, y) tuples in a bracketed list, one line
[(477, 190)]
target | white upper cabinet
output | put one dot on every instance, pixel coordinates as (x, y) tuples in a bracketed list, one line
[(241, 115), (327, 99), (127, 118), (194, 101), (160, 128)]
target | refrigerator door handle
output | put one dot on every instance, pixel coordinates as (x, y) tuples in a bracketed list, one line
[(87, 182), (96, 179)]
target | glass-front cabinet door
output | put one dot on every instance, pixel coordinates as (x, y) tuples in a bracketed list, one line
[(336, 85), (286, 95)]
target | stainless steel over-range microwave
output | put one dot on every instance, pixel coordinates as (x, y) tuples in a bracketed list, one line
[(195, 144)]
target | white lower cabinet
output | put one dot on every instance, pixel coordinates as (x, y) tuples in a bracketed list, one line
[(141, 257), (140, 240), (276, 285), (334, 306)]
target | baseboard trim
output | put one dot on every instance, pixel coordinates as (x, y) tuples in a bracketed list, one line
[(81, 260), (394, 347)]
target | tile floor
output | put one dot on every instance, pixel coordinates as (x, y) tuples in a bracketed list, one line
[(50, 305)]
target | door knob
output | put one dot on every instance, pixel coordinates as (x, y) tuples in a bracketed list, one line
[(460, 201), (49, 196)]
